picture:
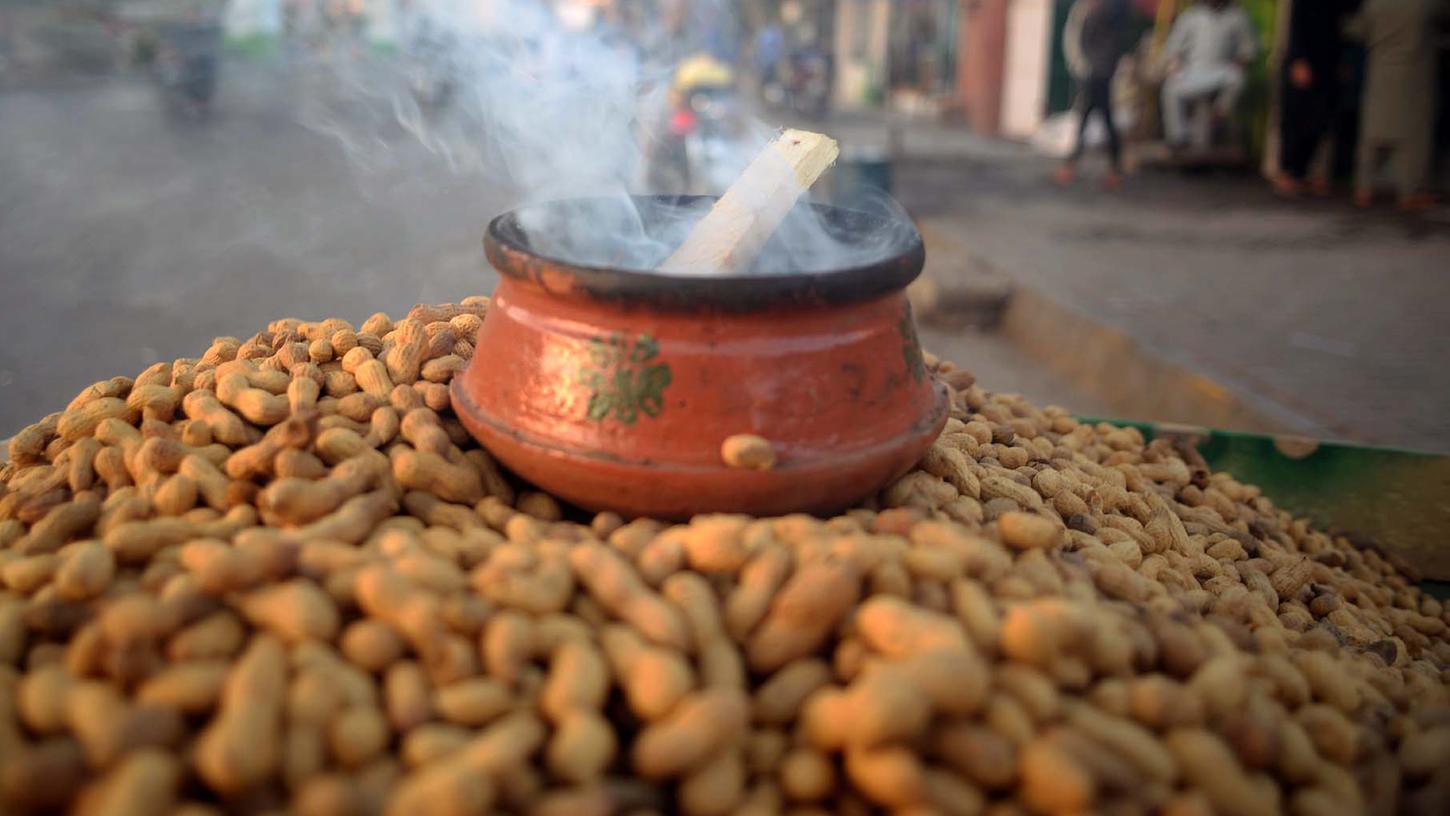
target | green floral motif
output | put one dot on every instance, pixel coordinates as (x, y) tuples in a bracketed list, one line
[(910, 346), (623, 380)]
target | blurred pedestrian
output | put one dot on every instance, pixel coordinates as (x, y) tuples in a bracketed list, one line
[(1399, 96), (1344, 123), (769, 51), (1310, 91), (1094, 40), (1208, 49)]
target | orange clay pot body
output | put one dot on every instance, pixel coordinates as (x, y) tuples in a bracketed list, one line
[(618, 396)]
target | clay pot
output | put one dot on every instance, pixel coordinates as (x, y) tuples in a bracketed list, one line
[(615, 388)]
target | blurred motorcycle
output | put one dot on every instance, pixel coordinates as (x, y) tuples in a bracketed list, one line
[(695, 151)]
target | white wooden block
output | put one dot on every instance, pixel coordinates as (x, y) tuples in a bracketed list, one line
[(727, 239)]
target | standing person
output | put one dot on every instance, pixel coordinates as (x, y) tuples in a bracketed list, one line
[(1208, 48), (769, 51), (1344, 123), (1095, 39), (1310, 90), (1399, 96)]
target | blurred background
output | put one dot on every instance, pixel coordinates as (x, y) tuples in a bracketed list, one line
[(172, 171)]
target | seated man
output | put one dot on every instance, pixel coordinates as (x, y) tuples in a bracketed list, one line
[(1210, 45)]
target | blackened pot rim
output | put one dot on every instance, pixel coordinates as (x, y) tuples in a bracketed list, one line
[(508, 251)]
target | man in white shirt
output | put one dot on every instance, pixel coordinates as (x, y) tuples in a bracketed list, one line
[(1207, 50)]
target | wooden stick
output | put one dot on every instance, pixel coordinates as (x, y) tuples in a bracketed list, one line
[(727, 239)]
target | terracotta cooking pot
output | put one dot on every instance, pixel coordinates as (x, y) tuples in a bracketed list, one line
[(615, 388)]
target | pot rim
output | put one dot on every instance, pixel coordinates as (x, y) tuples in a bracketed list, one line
[(508, 251)]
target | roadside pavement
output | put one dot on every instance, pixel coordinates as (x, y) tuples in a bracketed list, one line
[(1305, 317)]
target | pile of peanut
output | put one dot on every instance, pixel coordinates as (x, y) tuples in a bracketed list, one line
[(281, 577)]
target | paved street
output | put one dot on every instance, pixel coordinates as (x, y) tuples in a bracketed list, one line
[(127, 236)]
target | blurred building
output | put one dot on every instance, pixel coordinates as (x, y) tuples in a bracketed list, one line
[(900, 53), (998, 65), (946, 57)]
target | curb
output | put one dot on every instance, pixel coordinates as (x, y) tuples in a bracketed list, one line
[(976, 296), (1136, 381), (1118, 370)]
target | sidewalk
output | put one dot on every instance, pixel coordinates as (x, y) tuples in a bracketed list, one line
[(1311, 317)]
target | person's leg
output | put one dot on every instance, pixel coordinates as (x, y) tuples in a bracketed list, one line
[(1412, 165), (1295, 129), (1113, 179), (1366, 164), (1086, 105), (1304, 119), (1174, 126), (1344, 142), (1115, 144), (1230, 88), (1201, 121), (1318, 149), (1067, 171), (1222, 126)]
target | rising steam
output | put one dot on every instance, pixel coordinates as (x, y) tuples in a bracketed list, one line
[(551, 109)]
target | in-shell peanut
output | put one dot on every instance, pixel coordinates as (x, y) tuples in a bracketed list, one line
[(748, 451)]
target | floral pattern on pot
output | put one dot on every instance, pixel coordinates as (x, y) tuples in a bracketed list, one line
[(624, 379)]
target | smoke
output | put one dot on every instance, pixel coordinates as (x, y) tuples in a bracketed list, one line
[(809, 240), (551, 103)]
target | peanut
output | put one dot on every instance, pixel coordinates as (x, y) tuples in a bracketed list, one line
[(472, 702), (890, 775), (897, 629), (715, 788), (86, 571), (81, 420), (296, 610), (145, 782), (986, 758), (885, 706), (1053, 781), (577, 679), (225, 426), (1025, 531), (700, 725), (191, 688), (1207, 762), (748, 451), (253, 404), (582, 746), (357, 735), (432, 473), (781, 696), (240, 747), (407, 696), (809, 603), (371, 645), (615, 585)]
